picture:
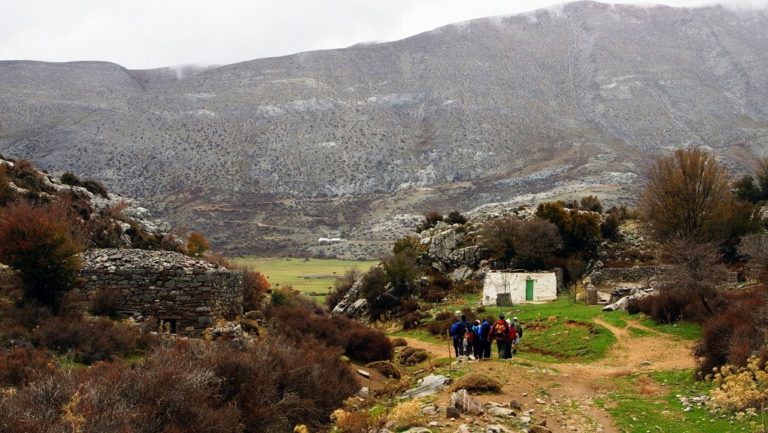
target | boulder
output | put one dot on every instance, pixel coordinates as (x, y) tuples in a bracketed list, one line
[(352, 305), (464, 402), (429, 385)]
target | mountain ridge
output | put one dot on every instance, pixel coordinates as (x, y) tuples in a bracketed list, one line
[(273, 153)]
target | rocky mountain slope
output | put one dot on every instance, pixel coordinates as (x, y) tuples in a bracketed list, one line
[(274, 153)]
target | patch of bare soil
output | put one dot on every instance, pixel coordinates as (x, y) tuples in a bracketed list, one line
[(563, 394)]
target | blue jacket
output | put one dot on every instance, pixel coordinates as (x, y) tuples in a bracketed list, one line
[(485, 329), (459, 328)]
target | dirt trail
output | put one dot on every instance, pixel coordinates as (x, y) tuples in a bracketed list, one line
[(563, 394)]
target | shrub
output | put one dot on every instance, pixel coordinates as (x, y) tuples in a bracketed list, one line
[(24, 174), (42, 243), (515, 243), (736, 332), (358, 341), (669, 307), (399, 342), (341, 287), (430, 220), (88, 341), (406, 414), (477, 382), (95, 187), (255, 287), (197, 244), (106, 301), (21, 364), (591, 203), (412, 356), (386, 368), (7, 194), (455, 217), (367, 345), (742, 388), (580, 230)]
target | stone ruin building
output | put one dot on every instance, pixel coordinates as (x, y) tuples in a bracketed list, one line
[(186, 294)]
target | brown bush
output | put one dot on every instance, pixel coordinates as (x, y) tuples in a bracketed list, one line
[(7, 194), (736, 333), (197, 244), (106, 301), (21, 364), (341, 287), (88, 341), (412, 356), (399, 342), (477, 382), (670, 307), (358, 341), (42, 243), (188, 386), (386, 368), (255, 287)]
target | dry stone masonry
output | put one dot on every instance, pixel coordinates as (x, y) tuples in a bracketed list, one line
[(187, 294)]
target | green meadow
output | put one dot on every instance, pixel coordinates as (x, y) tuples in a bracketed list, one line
[(305, 275)]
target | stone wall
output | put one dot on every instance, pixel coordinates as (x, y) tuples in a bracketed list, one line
[(633, 274), (188, 294)]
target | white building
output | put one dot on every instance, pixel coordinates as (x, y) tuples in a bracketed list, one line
[(521, 287)]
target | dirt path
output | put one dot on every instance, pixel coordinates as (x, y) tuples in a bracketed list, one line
[(563, 394)]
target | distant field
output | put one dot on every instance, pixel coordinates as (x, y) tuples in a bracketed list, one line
[(305, 275)]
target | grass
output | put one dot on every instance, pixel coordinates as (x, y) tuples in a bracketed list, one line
[(563, 330), (305, 275), (642, 403)]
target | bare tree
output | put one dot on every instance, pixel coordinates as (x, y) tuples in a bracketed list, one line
[(687, 196), (695, 268), (754, 247)]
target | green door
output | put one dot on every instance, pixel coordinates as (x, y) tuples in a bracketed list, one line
[(529, 289)]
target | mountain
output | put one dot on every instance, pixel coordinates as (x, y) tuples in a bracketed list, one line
[(270, 154)]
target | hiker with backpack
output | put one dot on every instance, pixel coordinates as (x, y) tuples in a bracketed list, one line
[(457, 331), (485, 331), (477, 340), (510, 338), (518, 328), (499, 333)]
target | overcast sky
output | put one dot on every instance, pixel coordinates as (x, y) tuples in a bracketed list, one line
[(154, 33)]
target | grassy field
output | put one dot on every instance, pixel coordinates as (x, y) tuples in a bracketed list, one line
[(306, 275), (644, 403)]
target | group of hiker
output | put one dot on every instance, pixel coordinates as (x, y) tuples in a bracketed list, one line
[(475, 340)]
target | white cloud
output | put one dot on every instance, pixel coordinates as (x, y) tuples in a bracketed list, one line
[(157, 33)]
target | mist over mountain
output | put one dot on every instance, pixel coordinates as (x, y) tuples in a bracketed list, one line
[(268, 155)]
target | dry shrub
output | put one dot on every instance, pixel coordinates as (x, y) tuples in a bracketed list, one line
[(413, 356), (88, 341), (197, 244), (399, 342), (357, 422), (386, 368), (736, 333), (477, 382), (187, 386), (255, 287), (21, 364), (358, 341), (670, 307), (106, 301), (341, 287), (42, 243), (742, 388), (406, 414), (439, 327), (37, 408)]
